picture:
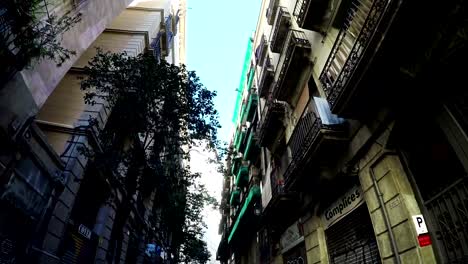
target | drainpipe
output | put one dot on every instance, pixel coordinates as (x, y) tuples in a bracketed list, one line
[(384, 209)]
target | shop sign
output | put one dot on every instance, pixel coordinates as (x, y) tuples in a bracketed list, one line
[(343, 206), (84, 231)]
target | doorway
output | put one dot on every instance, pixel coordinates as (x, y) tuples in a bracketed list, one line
[(442, 183)]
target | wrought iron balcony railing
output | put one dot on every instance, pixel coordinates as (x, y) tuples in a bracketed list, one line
[(294, 60), (280, 29), (261, 51), (271, 109), (303, 137), (300, 10), (271, 11), (318, 133), (266, 78), (352, 40), (310, 13)]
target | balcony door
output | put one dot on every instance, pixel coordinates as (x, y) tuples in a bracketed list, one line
[(441, 180)]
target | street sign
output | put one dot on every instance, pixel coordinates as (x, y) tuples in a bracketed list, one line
[(84, 231), (424, 240), (419, 224)]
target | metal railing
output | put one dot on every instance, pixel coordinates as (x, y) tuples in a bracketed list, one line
[(266, 78), (304, 136), (260, 51), (359, 26), (277, 38), (296, 39), (271, 11), (300, 10), (271, 107)]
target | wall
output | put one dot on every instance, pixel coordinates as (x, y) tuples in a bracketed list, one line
[(133, 19), (132, 43), (314, 237), (65, 110), (400, 204), (44, 77)]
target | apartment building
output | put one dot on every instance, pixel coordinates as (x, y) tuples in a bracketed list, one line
[(362, 136), (57, 207)]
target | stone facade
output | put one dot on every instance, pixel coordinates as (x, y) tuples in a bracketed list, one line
[(334, 116), (52, 127)]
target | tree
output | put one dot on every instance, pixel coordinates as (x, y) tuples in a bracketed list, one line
[(193, 248), (29, 32), (162, 109)]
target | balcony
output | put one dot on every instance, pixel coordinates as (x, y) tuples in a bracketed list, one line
[(271, 11), (280, 29), (240, 135), (355, 36), (261, 51), (295, 59), (271, 123), (309, 13), (314, 141), (266, 79), (245, 221), (251, 148), (281, 204), (249, 107), (242, 176), (235, 198)]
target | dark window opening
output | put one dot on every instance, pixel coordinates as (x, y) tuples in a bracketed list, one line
[(92, 194)]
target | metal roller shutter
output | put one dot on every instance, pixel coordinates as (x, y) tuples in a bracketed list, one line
[(352, 239)]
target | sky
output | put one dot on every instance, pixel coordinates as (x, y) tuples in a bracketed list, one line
[(217, 35)]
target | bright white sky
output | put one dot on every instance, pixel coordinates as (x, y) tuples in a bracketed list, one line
[(217, 35), (213, 181)]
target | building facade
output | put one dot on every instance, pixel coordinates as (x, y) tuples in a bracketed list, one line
[(352, 153), (56, 205)]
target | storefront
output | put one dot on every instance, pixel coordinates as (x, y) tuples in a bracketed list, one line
[(349, 233), (292, 245), (80, 244), (435, 155)]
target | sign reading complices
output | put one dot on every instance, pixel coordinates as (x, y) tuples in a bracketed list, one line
[(343, 206)]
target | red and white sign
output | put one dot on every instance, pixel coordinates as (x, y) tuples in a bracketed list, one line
[(424, 240), (421, 229)]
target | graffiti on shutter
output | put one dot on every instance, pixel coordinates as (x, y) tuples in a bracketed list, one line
[(352, 239)]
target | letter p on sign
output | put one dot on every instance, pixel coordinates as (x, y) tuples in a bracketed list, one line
[(420, 224)]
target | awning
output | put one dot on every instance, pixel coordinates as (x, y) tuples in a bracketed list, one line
[(234, 197), (235, 165), (254, 195), (250, 146), (251, 106), (240, 90), (222, 253), (243, 113), (241, 138), (242, 177)]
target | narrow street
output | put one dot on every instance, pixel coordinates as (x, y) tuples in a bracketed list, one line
[(233, 132)]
